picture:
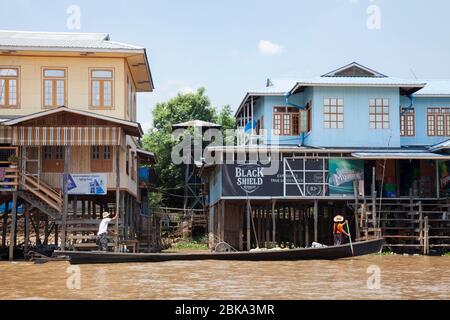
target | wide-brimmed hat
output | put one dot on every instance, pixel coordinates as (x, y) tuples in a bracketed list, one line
[(105, 214), (338, 218)]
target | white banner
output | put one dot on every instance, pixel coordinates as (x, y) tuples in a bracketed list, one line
[(89, 183)]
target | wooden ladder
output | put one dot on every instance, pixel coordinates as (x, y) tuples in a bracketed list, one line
[(42, 191)]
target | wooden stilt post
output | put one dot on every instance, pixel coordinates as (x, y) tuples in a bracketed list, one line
[(249, 223), (222, 222), (316, 219), (374, 199), (13, 226), (307, 227), (116, 234), (65, 197), (274, 224), (355, 212), (5, 225), (241, 230), (26, 227)]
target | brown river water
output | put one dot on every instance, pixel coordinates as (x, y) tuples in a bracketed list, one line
[(369, 277)]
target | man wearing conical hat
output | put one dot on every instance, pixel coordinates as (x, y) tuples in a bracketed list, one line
[(338, 229), (102, 235)]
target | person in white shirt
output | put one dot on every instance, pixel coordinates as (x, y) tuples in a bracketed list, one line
[(102, 235)]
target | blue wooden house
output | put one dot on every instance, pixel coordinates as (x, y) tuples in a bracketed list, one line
[(353, 141)]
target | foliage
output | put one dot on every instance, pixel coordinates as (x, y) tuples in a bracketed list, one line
[(189, 245), (182, 108)]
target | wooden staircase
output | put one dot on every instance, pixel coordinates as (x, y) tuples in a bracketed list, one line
[(40, 195)]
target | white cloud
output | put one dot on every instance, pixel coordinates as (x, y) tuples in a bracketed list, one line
[(268, 47)]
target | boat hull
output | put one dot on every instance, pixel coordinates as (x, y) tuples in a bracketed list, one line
[(325, 253)]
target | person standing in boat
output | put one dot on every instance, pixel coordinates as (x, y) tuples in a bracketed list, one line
[(338, 229), (102, 235)]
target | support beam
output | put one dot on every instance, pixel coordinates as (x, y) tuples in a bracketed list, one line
[(222, 218), (274, 225), (26, 227), (316, 220), (65, 197), (116, 229), (249, 223), (13, 226)]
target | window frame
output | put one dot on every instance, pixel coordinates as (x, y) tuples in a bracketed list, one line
[(102, 80), (337, 113), (7, 105), (376, 114), (280, 118), (54, 80), (435, 116), (408, 123)]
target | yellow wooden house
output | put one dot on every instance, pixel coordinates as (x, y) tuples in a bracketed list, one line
[(68, 111)]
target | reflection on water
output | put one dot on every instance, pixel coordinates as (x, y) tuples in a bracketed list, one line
[(402, 277)]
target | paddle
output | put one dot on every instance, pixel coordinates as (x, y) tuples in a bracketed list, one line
[(350, 237)]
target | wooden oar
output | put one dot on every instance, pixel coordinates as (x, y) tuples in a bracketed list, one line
[(350, 238)]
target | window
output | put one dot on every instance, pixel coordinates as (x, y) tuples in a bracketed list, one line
[(288, 121), (9, 82), (53, 159), (407, 123), (54, 87), (101, 160), (438, 121), (333, 113), (102, 84), (379, 113)]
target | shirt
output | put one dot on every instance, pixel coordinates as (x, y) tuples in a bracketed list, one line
[(103, 228)]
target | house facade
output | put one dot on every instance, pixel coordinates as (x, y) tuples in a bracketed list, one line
[(353, 141), (68, 110)]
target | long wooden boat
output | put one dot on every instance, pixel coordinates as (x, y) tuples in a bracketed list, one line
[(323, 253)]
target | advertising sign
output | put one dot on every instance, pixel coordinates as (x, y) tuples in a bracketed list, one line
[(303, 177), (88, 184), (342, 173)]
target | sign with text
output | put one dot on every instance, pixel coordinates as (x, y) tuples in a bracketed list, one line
[(88, 184), (342, 174), (296, 177)]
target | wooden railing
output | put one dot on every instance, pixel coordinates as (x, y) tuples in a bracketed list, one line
[(43, 191), (10, 181)]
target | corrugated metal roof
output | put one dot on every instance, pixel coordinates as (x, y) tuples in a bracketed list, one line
[(435, 88), (399, 155), (60, 40), (444, 145), (195, 123)]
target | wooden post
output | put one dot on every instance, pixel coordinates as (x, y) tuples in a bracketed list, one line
[(219, 220), (5, 225), (374, 199), (13, 226), (65, 197), (355, 212), (307, 227), (316, 220), (116, 234), (248, 226), (26, 227), (222, 221), (421, 229), (274, 224), (426, 247), (241, 230)]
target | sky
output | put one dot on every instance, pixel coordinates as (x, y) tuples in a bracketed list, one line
[(232, 46)]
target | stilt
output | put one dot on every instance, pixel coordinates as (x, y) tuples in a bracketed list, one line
[(248, 226), (13, 226), (274, 227), (307, 227), (316, 220), (5, 226), (222, 221), (116, 235), (26, 227), (65, 197)]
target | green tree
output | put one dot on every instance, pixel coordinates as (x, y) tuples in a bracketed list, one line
[(182, 108)]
